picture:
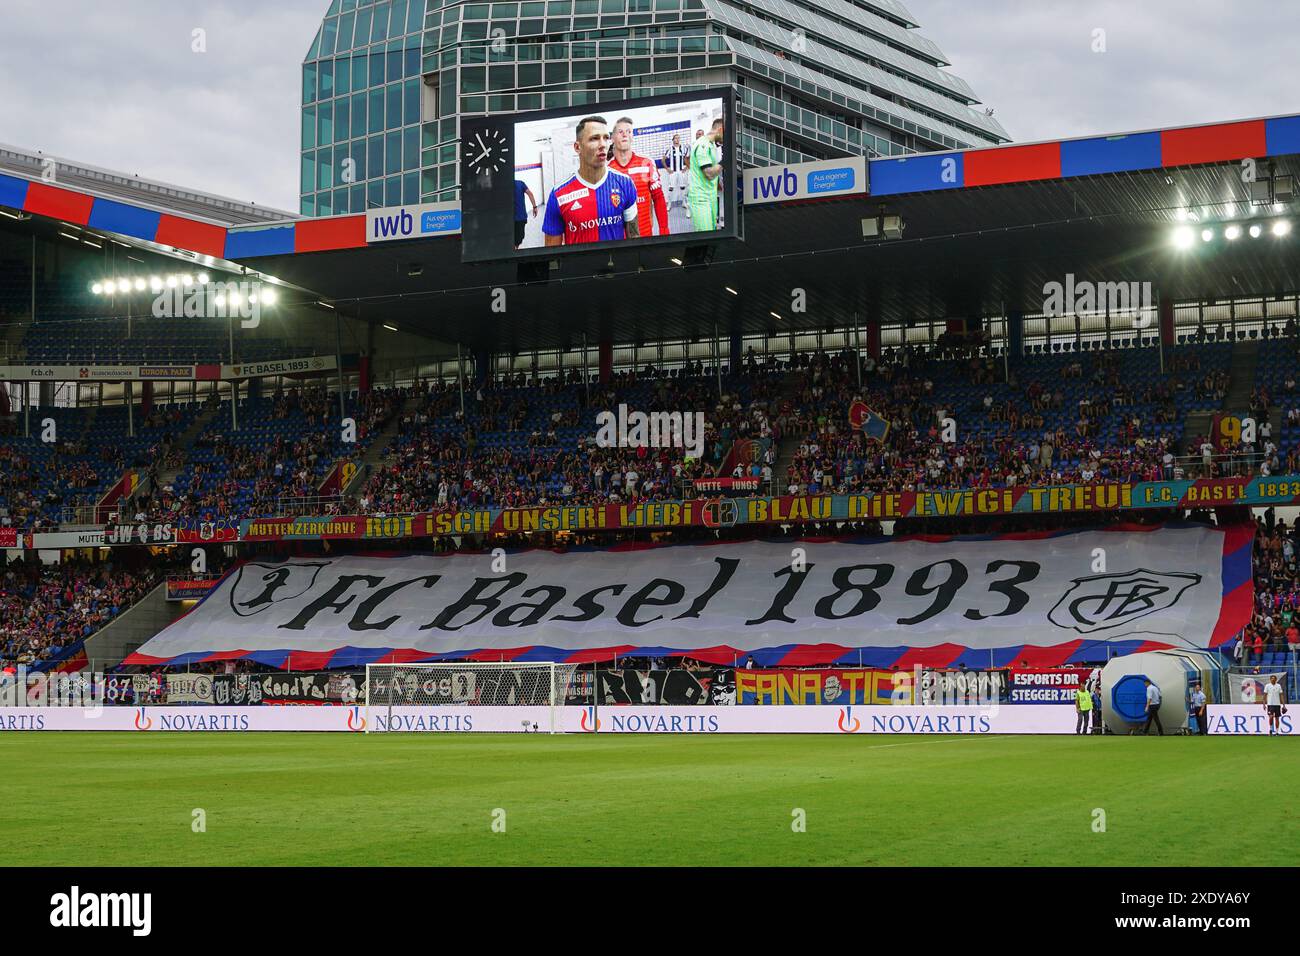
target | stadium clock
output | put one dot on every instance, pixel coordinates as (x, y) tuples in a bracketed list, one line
[(486, 149)]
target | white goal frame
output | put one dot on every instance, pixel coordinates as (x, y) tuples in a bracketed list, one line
[(555, 674)]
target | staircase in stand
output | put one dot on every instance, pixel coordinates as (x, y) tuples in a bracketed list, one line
[(378, 449)]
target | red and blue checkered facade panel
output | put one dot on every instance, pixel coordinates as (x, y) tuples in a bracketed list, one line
[(922, 172)]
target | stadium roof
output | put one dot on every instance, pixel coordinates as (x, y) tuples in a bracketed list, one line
[(985, 230), (132, 188)]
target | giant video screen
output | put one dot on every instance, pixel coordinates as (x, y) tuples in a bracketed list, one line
[(645, 171)]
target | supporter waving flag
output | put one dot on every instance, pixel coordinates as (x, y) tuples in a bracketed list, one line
[(872, 425)]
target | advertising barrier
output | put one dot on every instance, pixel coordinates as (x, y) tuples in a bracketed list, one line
[(1247, 719), (1224, 719), (1043, 686), (182, 373)]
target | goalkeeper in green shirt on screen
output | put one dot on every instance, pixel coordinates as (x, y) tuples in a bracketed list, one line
[(702, 186)]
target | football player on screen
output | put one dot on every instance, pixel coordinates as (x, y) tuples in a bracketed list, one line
[(644, 175), (596, 204)]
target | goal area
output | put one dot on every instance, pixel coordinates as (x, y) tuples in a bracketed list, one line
[(538, 689)]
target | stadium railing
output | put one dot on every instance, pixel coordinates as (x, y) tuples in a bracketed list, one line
[(307, 505)]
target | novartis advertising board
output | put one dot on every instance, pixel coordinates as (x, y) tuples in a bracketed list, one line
[(973, 721), (1226, 719)]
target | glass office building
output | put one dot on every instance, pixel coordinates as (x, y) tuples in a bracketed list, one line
[(386, 82)]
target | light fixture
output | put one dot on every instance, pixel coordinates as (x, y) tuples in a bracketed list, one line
[(675, 261), (1207, 235), (1184, 237), (221, 300), (171, 282), (774, 315), (390, 328), (268, 296), (252, 298), (155, 283), (1232, 232), (187, 281), (97, 288), (68, 235), (1256, 231), (203, 278), (731, 290), (1180, 215), (1281, 227), (234, 298)]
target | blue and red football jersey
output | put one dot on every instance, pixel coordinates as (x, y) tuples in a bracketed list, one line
[(591, 213)]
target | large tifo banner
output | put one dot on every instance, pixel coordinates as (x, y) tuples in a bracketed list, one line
[(1186, 586)]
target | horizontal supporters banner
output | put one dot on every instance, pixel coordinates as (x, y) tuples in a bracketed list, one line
[(1164, 585), (728, 512)]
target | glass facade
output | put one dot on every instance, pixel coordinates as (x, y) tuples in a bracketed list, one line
[(386, 82)]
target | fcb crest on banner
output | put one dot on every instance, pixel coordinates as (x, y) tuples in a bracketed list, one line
[(871, 425)]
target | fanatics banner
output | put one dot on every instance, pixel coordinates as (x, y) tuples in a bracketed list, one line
[(1186, 586), (833, 686)]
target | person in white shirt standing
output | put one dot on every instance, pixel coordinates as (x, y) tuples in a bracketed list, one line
[(674, 165), (1274, 699), (1153, 709)]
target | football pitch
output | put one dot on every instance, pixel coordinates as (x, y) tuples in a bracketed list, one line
[(106, 799)]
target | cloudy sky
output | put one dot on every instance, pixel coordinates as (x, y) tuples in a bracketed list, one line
[(119, 84)]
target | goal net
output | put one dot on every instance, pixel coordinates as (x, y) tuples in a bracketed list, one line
[(537, 689)]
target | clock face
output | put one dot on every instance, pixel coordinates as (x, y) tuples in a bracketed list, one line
[(487, 150)]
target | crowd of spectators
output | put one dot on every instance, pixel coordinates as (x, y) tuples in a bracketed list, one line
[(1275, 623), (45, 610), (936, 440), (954, 421), (528, 445)]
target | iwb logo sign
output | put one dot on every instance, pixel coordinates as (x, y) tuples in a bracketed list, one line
[(830, 177), (413, 222)]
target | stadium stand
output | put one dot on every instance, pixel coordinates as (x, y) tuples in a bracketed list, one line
[(47, 612), (1051, 419), (113, 340), (48, 480)]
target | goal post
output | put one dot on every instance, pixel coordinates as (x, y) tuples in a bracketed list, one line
[(469, 684)]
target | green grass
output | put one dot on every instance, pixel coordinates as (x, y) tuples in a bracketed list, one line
[(330, 799)]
